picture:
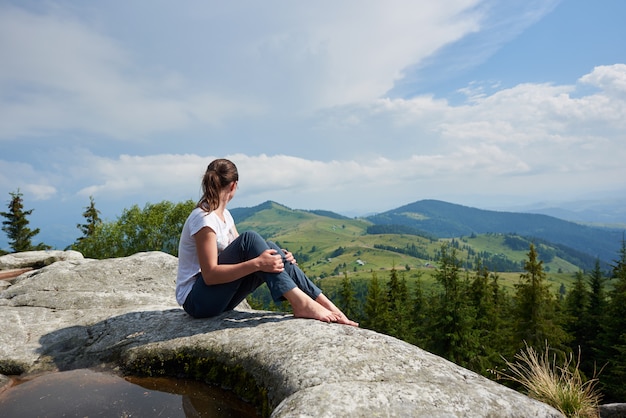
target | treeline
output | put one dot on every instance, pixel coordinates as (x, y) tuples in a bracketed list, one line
[(494, 262), (155, 227), (399, 229), (470, 319), (548, 250), (409, 249)]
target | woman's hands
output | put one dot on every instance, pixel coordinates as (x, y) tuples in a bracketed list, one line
[(289, 257), (270, 261)]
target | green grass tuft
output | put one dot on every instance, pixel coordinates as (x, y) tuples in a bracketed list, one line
[(561, 386)]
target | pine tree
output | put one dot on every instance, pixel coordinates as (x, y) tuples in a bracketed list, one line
[(595, 318), (503, 329), (485, 298), (398, 305), (535, 308), (576, 311), (16, 226), (419, 328), (376, 312), (92, 218), (347, 300), (452, 332), (613, 334)]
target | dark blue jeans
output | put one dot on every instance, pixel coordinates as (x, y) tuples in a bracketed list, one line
[(210, 300)]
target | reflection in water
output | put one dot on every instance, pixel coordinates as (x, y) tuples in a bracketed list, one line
[(85, 393)]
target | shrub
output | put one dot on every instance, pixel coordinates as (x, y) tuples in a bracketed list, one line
[(562, 387)]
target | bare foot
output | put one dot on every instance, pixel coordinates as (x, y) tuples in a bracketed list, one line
[(305, 307), (321, 308), (342, 318), (314, 310)]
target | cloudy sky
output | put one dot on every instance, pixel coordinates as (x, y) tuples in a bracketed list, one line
[(353, 106)]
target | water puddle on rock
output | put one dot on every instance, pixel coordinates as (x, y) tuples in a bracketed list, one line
[(86, 393)]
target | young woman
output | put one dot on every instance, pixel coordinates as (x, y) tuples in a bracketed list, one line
[(218, 268)]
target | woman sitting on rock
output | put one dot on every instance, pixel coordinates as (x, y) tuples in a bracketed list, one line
[(218, 267)]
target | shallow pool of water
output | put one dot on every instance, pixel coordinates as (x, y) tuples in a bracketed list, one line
[(87, 393)]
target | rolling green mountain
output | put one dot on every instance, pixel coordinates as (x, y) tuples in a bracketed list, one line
[(327, 244), (241, 214), (446, 220)]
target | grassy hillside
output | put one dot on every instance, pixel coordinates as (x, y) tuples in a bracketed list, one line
[(328, 246), (450, 220)]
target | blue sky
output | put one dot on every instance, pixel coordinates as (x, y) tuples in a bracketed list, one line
[(349, 106)]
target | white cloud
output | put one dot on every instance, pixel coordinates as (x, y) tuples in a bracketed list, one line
[(610, 78), (368, 48), (31, 182), (155, 177), (40, 191), (537, 138), (541, 119), (59, 74)]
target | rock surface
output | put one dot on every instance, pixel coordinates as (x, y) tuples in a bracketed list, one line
[(613, 410), (121, 313), (36, 259)]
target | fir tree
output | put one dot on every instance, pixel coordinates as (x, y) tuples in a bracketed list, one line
[(453, 334), (535, 308), (484, 297), (501, 341), (92, 218), (16, 226), (347, 299), (398, 304), (595, 318), (576, 311), (376, 312), (614, 336), (419, 329)]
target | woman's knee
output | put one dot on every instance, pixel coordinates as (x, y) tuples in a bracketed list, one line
[(273, 245), (252, 240), (252, 236)]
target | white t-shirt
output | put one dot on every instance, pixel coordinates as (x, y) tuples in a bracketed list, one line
[(188, 264)]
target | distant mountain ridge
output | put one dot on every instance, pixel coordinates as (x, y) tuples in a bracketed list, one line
[(447, 220), (608, 211)]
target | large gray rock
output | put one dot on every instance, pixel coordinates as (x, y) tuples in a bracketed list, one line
[(36, 259), (121, 313)]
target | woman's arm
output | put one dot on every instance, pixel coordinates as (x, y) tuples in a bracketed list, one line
[(214, 273)]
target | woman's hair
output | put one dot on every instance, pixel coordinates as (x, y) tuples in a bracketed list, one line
[(219, 174)]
